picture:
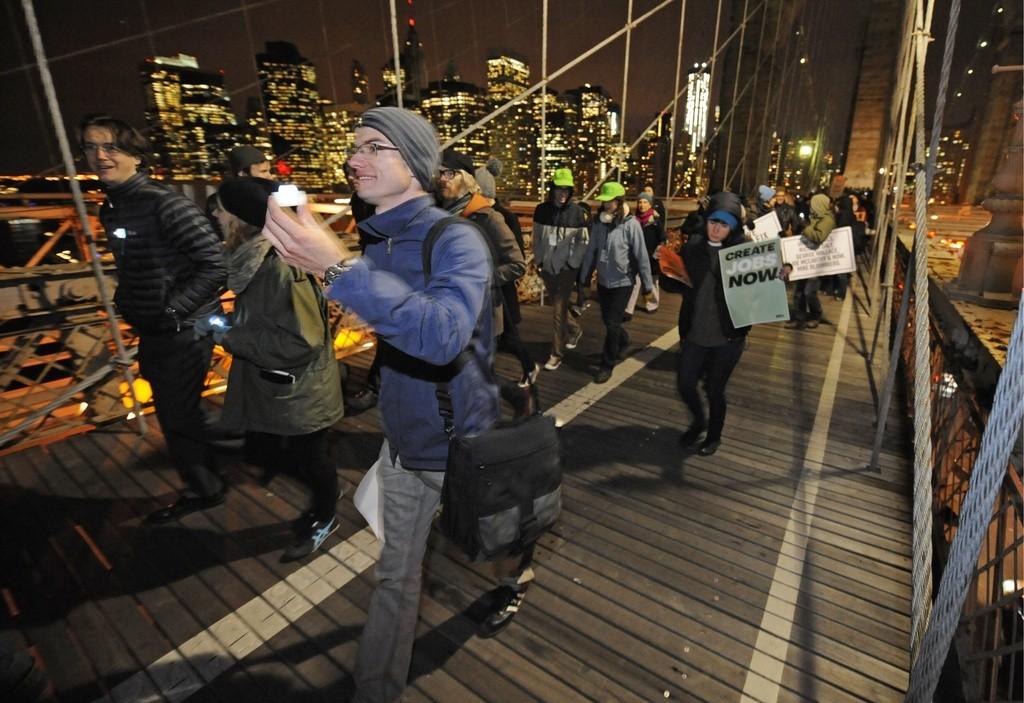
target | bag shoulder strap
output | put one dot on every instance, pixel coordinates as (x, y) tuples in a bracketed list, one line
[(444, 401)]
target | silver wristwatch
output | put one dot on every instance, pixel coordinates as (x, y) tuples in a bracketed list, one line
[(334, 270)]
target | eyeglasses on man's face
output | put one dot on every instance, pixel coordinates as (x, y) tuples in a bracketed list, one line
[(370, 149), (108, 148), (447, 174)]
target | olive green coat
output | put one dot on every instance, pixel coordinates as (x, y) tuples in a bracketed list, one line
[(280, 323)]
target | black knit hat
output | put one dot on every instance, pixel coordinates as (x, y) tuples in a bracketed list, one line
[(457, 161), (242, 157), (246, 198)]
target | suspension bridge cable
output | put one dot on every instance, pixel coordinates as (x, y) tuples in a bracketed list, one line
[(899, 159), (625, 89), (735, 87), (76, 192), (675, 103), (544, 97), (399, 83), (757, 74), (921, 593), (141, 35), (762, 168), (711, 89), (676, 98), (546, 80)]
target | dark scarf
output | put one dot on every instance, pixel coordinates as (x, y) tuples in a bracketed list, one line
[(245, 261), (455, 207), (646, 217)]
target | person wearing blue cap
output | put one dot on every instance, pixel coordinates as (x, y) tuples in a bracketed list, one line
[(710, 345)]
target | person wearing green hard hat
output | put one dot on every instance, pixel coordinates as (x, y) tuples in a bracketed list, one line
[(617, 252), (561, 229)]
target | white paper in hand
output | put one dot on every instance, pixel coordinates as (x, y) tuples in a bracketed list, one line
[(368, 501)]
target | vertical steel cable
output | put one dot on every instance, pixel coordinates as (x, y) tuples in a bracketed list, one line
[(701, 186), (675, 103), (76, 192), (543, 98), (735, 90), (762, 169), (921, 596), (399, 87), (750, 111), (625, 86)]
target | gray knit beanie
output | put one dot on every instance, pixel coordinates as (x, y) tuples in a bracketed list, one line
[(414, 136), (485, 177)]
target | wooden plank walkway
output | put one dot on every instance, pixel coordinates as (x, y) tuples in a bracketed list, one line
[(669, 575)]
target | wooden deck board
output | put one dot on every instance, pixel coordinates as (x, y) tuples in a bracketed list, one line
[(654, 580)]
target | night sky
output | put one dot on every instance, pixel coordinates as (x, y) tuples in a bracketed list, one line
[(95, 47)]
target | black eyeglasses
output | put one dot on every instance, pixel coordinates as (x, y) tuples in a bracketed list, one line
[(370, 149), (447, 174)]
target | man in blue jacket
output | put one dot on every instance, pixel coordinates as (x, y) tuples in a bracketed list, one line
[(424, 325)]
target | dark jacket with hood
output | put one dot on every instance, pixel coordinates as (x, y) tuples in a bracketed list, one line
[(560, 235), (506, 256), (697, 255), (170, 262)]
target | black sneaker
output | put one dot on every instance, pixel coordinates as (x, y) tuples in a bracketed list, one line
[(709, 447), (602, 375), (311, 539), (363, 400), (506, 602), (690, 437), (185, 505)]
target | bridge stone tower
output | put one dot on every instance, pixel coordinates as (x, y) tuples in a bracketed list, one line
[(875, 86)]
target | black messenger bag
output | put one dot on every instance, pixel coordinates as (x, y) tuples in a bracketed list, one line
[(503, 486)]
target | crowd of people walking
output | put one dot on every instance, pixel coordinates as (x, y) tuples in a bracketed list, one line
[(435, 277)]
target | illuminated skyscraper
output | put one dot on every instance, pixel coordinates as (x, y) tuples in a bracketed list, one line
[(591, 115), (512, 131), (698, 99), (256, 132), (950, 166), (452, 105), (557, 153), (653, 154), (360, 84), (339, 137), (294, 117), (189, 116)]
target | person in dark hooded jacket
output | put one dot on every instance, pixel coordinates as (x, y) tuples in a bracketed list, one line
[(710, 345)]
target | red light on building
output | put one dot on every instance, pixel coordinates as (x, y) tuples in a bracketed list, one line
[(282, 168)]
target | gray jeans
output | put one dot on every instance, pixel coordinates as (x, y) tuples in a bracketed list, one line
[(410, 499)]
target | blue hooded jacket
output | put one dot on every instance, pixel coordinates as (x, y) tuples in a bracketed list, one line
[(432, 322)]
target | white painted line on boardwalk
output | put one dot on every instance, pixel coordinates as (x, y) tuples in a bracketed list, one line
[(768, 662), (195, 663), (198, 661), (582, 399)]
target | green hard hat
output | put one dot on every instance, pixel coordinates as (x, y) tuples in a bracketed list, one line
[(611, 190), (562, 178)]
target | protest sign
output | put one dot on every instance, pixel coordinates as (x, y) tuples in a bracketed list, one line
[(766, 227), (753, 291), (834, 255)]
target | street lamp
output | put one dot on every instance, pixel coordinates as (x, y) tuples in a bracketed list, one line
[(805, 151)]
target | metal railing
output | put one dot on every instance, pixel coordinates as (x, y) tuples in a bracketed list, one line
[(990, 633)]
